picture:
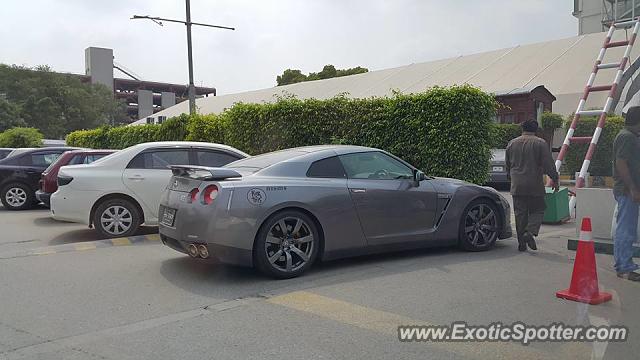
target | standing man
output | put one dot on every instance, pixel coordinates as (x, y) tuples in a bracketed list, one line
[(626, 174), (528, 158)]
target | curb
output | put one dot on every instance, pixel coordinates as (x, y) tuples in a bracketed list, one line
[(602, 247), (84, 246)]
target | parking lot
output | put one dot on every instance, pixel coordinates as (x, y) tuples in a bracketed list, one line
[(68, 295)]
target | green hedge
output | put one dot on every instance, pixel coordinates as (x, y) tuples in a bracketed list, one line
[(444, 131), (602, 163), (501, 134), (21, 137)]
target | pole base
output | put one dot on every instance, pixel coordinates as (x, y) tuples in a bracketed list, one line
[(596, 299)]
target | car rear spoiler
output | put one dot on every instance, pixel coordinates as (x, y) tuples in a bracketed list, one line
[(216, 173)]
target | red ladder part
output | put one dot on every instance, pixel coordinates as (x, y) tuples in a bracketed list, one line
[(602, 113)]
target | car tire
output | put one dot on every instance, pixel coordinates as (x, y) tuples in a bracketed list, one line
[(479, 226), (17, 196), (116, 218), (295, 252)]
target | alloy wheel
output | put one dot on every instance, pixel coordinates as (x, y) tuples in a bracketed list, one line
[(16, 197), (289, 244), (481, 225), (116, 220)]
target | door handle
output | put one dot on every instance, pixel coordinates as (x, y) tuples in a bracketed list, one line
[(136, 177), (357, 191)]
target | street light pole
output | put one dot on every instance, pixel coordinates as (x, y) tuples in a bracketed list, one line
[(192, 88), (188, 24)]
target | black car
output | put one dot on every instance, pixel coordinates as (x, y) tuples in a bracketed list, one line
[(20, 174), (4, 152), (498, 168)]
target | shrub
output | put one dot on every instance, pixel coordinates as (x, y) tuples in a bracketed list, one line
[(501, 134), (21, 137), (551, 121), (209, 128), (173, 128), (602, 162), (444, 131)]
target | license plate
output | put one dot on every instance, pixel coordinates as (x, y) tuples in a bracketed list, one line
[(168, 216), (498, 168)]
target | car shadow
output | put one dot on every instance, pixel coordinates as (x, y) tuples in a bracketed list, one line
[(86, 234), (217, 280), (38, 207)]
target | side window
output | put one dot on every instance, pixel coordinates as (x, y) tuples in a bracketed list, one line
[(327, 168), (213, 158), (374, 165), (91, 158), (162, 159), (77, 159), (137, 162), (41, 159), (159, 159)]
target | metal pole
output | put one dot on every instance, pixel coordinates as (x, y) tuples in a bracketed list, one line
[(188, 23), (192, 89)]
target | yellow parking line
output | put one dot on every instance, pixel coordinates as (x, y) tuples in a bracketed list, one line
[(153, 237), (83, 247), (43, 252), (120, 242), (387, 323)]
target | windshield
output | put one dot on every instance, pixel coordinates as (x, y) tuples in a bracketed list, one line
[(498, 154)]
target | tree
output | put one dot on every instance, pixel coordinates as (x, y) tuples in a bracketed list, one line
[(54, 103), (290, 76), (21, 137), (9, 115)]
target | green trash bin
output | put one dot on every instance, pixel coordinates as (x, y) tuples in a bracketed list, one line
[(557, 206)]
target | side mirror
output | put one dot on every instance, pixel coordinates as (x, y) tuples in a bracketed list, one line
[(417, 177)]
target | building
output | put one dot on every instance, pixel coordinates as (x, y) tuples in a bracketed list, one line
[(519, 105), (143, 98), (596, 15)]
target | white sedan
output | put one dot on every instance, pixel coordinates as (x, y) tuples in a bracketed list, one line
[(119, 192)]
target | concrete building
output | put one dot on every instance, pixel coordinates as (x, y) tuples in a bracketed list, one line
[(595, 15), (143, 98)]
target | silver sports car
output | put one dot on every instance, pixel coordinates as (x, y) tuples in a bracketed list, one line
[(284, 210)]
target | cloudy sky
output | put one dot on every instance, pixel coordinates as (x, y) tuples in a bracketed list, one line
[(271, 35)]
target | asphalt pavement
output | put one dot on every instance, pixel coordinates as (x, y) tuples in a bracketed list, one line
[(130, 299)]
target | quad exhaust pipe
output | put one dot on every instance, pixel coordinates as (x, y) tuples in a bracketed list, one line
[(198, 250)]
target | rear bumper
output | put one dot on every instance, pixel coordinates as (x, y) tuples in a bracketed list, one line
[(220, 253), (44, 197), (72, 206), (499, 178)]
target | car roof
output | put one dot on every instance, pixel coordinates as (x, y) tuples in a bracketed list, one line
[(147, 145), (91, 151)]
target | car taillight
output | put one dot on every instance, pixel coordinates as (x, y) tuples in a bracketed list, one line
[(194, 194), (209, 194), (64, 180)]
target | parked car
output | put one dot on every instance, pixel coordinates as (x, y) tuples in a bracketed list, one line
[(120, 192), (20, 151), (49, 179), (20, 173), (498, 168), (282, 211), (4, 152)]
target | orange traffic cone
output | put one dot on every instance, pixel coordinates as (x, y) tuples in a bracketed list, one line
[(584, 281)]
